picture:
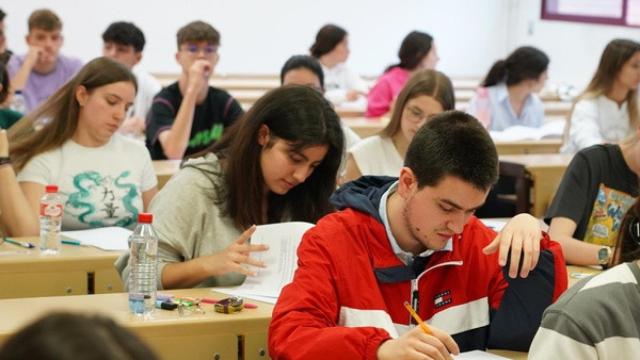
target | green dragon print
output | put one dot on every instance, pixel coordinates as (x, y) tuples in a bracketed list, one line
[(99, 198)]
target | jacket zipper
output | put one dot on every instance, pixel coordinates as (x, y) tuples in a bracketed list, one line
[(415, 300)]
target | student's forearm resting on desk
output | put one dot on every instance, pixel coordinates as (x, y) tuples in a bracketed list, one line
[(576, 252)]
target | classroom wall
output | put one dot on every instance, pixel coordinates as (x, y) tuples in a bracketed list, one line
[(258, 36), (574, 48)]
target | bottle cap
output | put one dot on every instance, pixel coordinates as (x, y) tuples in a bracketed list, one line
[(145, 218), (51, 189)]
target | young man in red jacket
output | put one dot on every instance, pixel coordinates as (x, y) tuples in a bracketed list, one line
[(414, 239)]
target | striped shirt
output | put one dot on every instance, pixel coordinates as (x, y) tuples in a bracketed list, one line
[(598, 318)]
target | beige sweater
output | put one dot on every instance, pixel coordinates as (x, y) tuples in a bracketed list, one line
[(188, 222)]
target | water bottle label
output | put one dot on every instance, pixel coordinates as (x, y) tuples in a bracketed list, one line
[(51, 210)]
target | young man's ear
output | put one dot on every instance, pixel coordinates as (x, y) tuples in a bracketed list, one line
[(263, 135), (407, 183), (138, 57)]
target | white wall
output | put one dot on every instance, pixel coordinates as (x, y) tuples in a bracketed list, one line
[(574, 48), (258, 35)]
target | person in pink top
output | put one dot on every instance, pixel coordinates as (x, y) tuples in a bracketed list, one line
[(417, 52)]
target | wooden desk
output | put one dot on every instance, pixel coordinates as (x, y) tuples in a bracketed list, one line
[(510, 354), (551, 108), (542, 172), (194, 337), (365, 127), (577, 273), (165, 169), (544, 146), (77, 270)]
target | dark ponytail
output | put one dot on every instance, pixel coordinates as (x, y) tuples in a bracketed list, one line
[(415, 46), (496, 74), (327, 38), (523, 63)]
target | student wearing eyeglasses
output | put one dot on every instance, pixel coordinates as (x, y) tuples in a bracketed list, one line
[(428, 92), (189, 115), (598, 318)]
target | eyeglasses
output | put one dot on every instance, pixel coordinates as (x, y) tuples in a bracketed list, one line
[(415, 115), (208, 50)]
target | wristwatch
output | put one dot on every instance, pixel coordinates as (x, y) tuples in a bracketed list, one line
[(604, 256), (5, 160)]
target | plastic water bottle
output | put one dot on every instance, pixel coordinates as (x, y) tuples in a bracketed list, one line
[(143, 264), (18, 103), (51, 211), (483, 107)]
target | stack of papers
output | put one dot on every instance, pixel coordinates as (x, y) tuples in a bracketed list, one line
[(107, 238), (550, 130)]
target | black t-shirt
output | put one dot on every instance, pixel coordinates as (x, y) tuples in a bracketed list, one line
[(216, 112), (596, 191)]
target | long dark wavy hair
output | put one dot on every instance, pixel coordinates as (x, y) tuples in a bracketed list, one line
[(300, 116)]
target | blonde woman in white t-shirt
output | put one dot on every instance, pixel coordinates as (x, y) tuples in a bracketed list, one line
[(105, 179), (427, 93), (607, 110)]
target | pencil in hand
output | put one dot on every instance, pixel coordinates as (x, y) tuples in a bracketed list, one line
[(417, 318)]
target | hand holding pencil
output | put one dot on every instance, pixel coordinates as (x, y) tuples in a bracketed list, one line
[(422, 342)]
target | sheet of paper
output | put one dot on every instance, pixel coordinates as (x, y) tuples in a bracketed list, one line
[(494, 224), (107, 238), (552, 129), (478, 355), (281, 261)]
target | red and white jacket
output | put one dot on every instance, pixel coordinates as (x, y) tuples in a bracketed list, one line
[(348, 292)]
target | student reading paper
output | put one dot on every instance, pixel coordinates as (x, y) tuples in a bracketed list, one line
[(279, 163), (415, 239)]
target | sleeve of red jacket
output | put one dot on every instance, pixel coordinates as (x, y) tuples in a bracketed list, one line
[(304, 323), (517, 316)]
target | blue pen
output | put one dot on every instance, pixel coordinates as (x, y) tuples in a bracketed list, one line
[(71, 242), (23, 244)]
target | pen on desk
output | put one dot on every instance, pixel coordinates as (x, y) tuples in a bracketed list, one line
[(71, 242), (23, 244), (417, 318)]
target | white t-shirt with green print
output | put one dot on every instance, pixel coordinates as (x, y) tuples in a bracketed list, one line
[(100, 186)]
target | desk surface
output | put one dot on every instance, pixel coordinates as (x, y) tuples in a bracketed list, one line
[(193, 336), (165, 169), (15, 313), (76, 270), (539, 161), (14, 258), (577, 273)]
